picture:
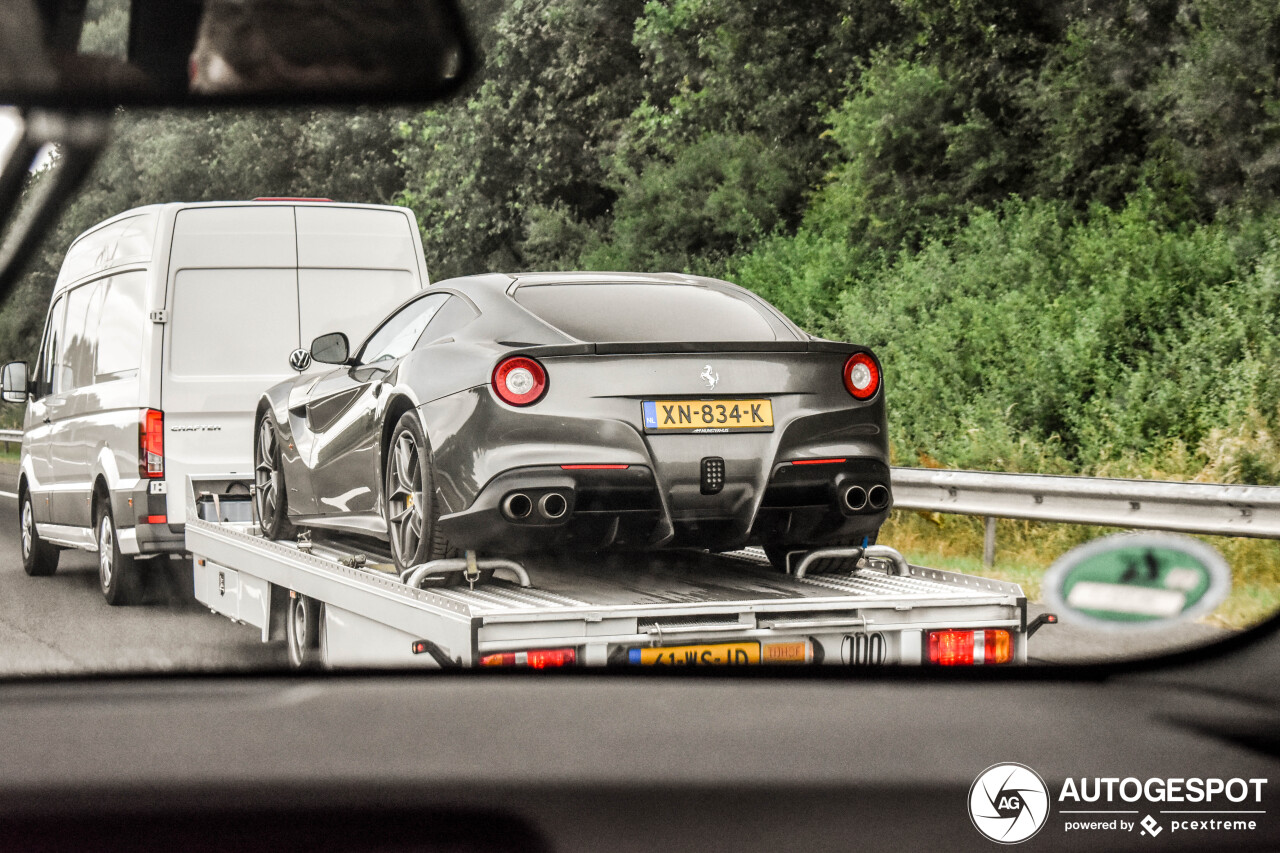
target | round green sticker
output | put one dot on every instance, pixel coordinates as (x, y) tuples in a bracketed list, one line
[(1137, 580)]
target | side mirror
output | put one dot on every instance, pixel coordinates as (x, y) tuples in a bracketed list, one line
[(332, 348), (13, 382)]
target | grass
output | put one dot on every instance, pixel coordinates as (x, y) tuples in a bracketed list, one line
[(1026, 549)]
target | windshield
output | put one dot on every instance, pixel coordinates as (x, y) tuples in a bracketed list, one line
[(1035, 250)]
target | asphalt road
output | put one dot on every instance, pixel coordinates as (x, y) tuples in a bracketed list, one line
[(62, 624)]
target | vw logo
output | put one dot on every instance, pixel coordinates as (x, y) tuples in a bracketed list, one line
[(710, 377), (300, 359), (1008, 803)]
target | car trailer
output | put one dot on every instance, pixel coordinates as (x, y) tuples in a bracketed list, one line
[(339, 603)]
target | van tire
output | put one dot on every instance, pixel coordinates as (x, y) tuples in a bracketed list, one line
[(409, 472), (270, 496), (39, 558), (119, 575)]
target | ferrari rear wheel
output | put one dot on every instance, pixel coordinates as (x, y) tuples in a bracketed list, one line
[(268, 477), (410, 497)]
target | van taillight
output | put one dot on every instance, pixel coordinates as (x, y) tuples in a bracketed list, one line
[(151, 443), (970, 648)]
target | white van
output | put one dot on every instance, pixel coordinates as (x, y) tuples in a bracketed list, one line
[(165, 326)]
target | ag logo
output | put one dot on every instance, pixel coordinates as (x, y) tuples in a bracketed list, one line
[(1008, 803), (300, 359)]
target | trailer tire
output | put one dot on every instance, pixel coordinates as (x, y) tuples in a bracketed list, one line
[(302, 632), (270, 496)]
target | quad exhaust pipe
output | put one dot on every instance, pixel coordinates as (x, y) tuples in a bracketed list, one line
[(519, 506), (854, 498), (553, 506), (516, 506), (857, 499)]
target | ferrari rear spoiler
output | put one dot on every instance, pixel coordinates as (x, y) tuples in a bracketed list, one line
[(621, 348)]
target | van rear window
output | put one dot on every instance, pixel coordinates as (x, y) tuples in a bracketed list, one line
[(642, 311)]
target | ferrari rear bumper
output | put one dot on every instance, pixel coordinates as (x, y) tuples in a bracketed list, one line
[(595, 507)]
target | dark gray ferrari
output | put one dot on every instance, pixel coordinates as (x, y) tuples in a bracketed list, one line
[(507, 414)]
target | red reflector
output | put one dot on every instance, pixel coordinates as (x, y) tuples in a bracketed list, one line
[(420, 647), (816, 461), (157, 519), (151, 443), (594, 467), (535, 658), (286, 198)]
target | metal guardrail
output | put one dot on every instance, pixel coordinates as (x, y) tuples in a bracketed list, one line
[(9, 437), (1213, 509)]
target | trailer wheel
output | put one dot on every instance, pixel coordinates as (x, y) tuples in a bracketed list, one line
[(302, 630), (269, 493)]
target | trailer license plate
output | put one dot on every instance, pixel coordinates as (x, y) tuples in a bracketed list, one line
[(724, 654), (712, 416)]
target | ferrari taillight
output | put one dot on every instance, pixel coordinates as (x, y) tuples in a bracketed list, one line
[(151, 443), (862, 375), (519, 381)]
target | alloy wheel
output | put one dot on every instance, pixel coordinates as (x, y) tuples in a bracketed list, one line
[(28, 529), (404, 496), (266, 475), (106, 551)]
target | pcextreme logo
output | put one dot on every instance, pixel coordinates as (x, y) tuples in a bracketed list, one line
[(1008, 803)]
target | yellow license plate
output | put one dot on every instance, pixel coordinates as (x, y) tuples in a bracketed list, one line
[(724, 654), (707, 416)]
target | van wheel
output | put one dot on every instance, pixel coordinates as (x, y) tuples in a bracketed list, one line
[(269, 494), (119, 575), (39, 558), (302, 630), (409, 493)]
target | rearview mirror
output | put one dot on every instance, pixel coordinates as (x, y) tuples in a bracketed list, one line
[(13, 382), (332, 348), (201, 52)]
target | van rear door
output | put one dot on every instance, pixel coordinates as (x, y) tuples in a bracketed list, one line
[(247, 286)]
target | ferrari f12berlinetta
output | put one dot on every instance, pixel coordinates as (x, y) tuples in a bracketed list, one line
[(515, 413)]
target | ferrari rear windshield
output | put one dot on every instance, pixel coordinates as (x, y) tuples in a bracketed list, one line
[(643, 311)]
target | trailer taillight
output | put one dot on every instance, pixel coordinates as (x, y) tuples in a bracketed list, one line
[(151, 443), (970, 648), (535, 658)]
